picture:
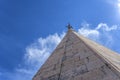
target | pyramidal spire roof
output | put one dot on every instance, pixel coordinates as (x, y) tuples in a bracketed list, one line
[(79, 58)]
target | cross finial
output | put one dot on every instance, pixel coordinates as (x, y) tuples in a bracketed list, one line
[(69, 26)]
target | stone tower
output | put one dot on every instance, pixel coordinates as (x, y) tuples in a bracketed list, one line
[(79, 58)]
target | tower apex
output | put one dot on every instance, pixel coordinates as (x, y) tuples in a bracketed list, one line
[(69, 26)]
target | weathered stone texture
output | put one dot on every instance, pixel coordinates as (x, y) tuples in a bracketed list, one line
[(78, 58)]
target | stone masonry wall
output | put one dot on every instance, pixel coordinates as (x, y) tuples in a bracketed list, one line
[(73, 60)]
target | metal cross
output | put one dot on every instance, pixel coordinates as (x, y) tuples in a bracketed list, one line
[(69, 26)]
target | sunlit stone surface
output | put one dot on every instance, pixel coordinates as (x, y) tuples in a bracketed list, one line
[(78, 58)]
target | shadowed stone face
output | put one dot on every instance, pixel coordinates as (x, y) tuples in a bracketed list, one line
[(78, 58)]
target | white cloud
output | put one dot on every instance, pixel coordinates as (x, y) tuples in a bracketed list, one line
[(39, 51), (105, 27), (36, 54), (102, 33), (89, 32), (22, 70)]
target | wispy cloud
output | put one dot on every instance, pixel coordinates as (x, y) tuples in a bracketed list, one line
[(90, 33), (105, 27), (102, 33), (39, 51), (36, 54)]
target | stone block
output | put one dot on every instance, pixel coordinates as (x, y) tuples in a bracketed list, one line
[(94, 64)]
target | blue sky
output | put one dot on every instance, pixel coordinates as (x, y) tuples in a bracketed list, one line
[(31, 29)]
